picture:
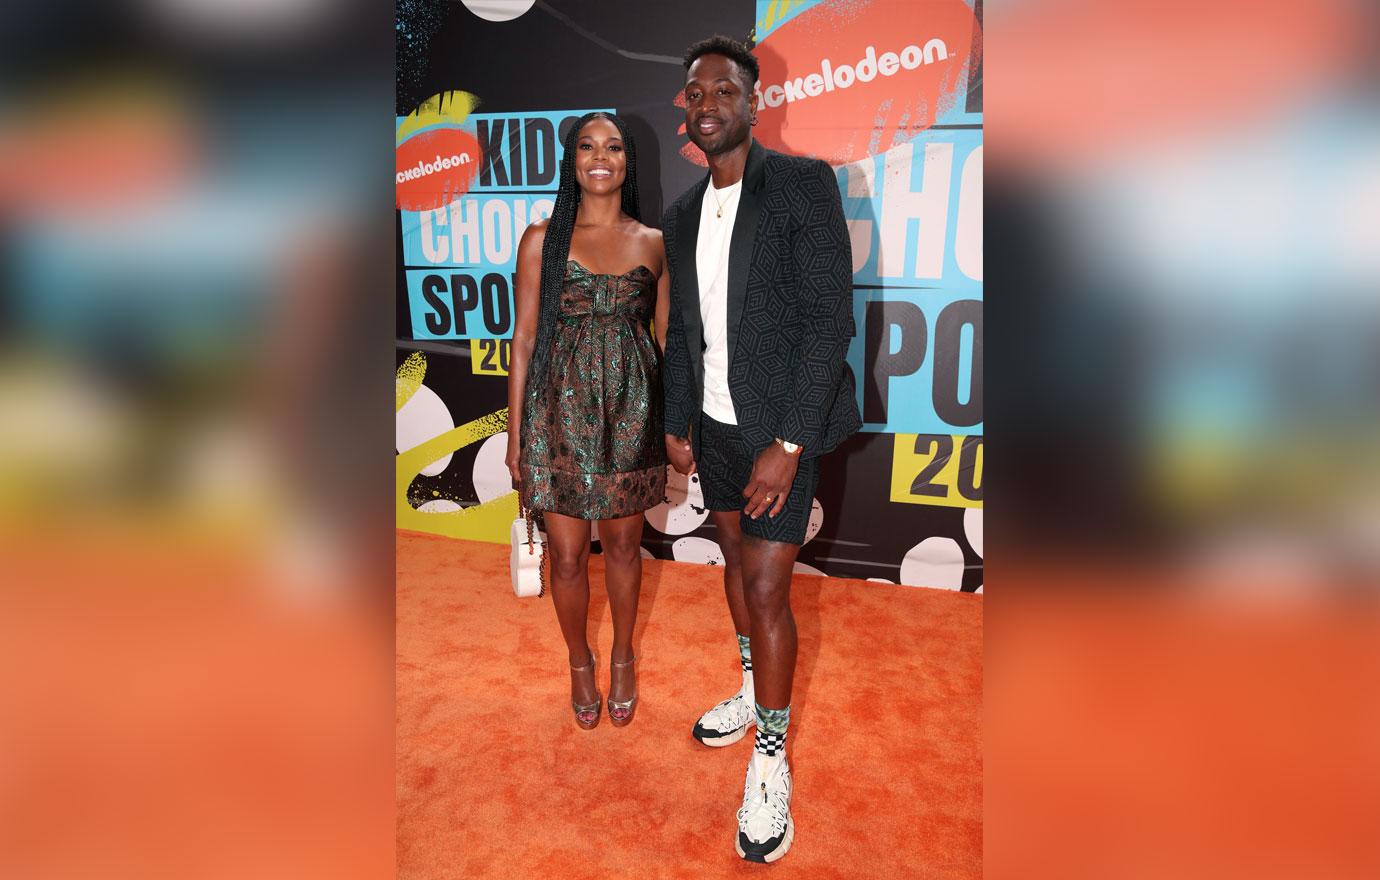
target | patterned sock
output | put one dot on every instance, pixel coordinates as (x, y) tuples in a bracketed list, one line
[(745, 655), (771, 730)]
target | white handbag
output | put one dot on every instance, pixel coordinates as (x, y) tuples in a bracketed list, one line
[(526, 558)]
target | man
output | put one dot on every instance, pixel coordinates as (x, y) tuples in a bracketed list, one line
[(756, 391)]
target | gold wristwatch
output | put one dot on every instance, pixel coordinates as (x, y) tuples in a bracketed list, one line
[(791, 448)]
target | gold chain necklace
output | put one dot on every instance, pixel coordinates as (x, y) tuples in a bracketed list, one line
[(720, 212)]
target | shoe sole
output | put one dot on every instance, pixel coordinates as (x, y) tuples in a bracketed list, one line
[(727, 739), (775, 854)]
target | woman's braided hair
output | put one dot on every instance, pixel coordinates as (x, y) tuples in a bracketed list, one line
[(555, 249)]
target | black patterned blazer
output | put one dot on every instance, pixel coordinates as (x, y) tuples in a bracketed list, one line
[(790, 308)]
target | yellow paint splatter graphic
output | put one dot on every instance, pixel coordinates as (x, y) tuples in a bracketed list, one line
[(410, 376), (450, 107), (489, 521), (776, 9)]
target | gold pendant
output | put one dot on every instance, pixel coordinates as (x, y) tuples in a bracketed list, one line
[(720, 213)]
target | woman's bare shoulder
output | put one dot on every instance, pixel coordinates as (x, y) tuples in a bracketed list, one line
[(651, 245), (534, 235)]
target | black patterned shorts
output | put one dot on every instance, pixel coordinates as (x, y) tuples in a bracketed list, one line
[(725, 467)]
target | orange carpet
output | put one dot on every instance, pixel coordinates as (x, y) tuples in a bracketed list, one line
[(495, 780)]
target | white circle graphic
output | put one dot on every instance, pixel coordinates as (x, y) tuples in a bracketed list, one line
[(439, 505), (701, 550), (683, 511), (972, 527), (423, 417), (491, 477), (803, 568), (499, 10), (934, 562), (816, 520)]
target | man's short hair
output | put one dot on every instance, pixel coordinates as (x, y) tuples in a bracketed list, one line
[(729, 48)]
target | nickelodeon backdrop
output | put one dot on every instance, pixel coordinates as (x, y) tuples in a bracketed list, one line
[(889, 92)]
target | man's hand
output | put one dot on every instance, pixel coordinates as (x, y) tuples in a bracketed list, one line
[(772, 475), (678, 452)]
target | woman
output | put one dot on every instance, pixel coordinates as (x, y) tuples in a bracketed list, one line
[(585, 386)]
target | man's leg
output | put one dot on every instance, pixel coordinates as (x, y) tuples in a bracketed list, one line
[(730, 536), (731, 542), (765, 826), (769, 549), (766, 584), (721, 481), (728, 721)]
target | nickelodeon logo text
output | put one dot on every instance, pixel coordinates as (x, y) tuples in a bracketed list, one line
[(843, 76)]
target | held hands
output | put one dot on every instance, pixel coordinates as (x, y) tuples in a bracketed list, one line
[(678, 452), (772, 475)]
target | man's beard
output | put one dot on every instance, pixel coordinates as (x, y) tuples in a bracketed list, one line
[(728, 140)]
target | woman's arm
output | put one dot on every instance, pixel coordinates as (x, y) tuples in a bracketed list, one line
[(663, 296), (527, 303)]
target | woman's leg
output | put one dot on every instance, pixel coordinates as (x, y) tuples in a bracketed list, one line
[(621, 540), (567, 550)]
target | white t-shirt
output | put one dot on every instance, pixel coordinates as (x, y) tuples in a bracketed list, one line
[(711, 264)]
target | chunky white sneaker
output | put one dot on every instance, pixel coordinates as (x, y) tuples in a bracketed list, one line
[(765, 827), (727, 722)]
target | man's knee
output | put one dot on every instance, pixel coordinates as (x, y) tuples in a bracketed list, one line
[(766, 602)]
